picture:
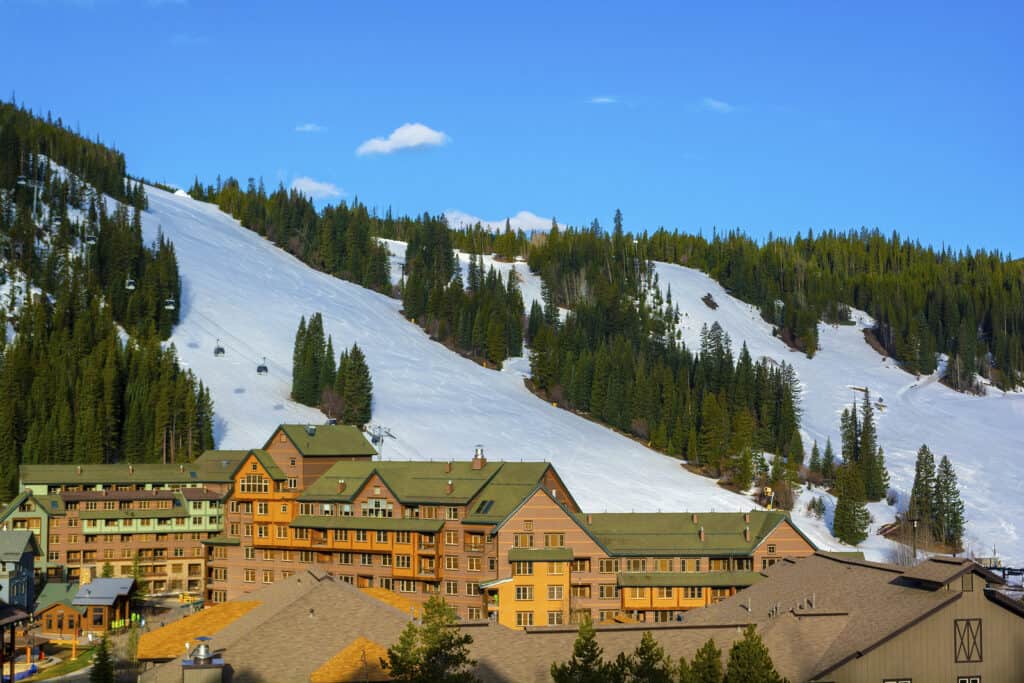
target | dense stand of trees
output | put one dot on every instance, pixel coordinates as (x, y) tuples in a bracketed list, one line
[(343, 390), (935, 501), (616, 357), (482, 318), (336, 240), (966, 304), (73, 388)]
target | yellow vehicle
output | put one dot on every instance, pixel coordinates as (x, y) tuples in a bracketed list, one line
[(188, 598)]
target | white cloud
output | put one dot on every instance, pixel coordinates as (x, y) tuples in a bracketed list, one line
[(604, 99), (525, 220), (406, 136), (720, 106), (309, 128), (315, 189)]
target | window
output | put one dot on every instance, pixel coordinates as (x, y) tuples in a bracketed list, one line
[(522, 541), (663, 564), (578, 616), (268, 576), (555, 619), (967, 640), (664, 592), (250, 576), (581, 565), (451, 513), (377, 507), (382, 536), (472, 588), (366, 559), (293, 483), (281, 531), (261, 508), (693, 592), (474, 613), (554, 540), (608, 566), (637, 593), (341, 534), (522, 568), (767, 562), (403, 537), (556, 568), (247, 529), (524, 618), (360, 535), (451, 537), (528, 524), (306, 556), (606, 614), (451, 562), (451, 587), (255, 483), (301, 534), (554, 592), (268, 555), (473, 564), (959, 679), (581, 591), (344, 558), (262, 531), (636, 565), (771, 548), (405, 586), (250, 552), (403, 561), (607, 590)]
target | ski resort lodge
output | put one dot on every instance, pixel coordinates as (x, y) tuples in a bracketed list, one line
[(499, 540)]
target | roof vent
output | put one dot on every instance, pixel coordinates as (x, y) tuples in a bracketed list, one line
[(451, 486), (341, 485), (311, 430), (694, 517), (702, 534), (746, 518), (223, 464), (131, 469), (181, 468), (746, 533), (448, 466), (78, 469)]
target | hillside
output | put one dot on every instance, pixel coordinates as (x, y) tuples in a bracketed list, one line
[(981, 435), (238, 287)]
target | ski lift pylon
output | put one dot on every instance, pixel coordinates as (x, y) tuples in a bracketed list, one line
[(261, 369)]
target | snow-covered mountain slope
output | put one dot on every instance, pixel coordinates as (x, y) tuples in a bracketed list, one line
[(983, 436), (240, 288)]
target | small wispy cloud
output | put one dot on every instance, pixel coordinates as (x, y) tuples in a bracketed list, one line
[(406, 136), (720, 106), (524, 220), (316, 189), (603, 99), (309, 128)]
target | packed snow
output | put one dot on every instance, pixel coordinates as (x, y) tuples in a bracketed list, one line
[(982, 435), (241, 289)]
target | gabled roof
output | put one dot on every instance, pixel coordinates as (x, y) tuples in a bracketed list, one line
[(326, 440), (15, 543), (421, 482), (207, 468), (505, 491), (268, 464), (56, 592), (678, 533), (939, 570), (166, 642), (103, 591)]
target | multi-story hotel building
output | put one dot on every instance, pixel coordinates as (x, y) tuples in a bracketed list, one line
[(503, 540)]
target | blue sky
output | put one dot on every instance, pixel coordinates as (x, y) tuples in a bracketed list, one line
[(771, 119)]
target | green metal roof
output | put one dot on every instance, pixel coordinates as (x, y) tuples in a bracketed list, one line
[(418, 481), (269, 465), (327, 440), (222, 540), (209, 467), (57, 593), (684, 579), (677, 534), (369, 523), (540, 555), (218, 466), (507, 489)]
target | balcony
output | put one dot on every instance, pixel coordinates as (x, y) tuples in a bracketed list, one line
[(427, 547), (473, 547)]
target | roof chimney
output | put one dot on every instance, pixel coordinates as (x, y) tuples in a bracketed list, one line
[(746, 518), (701, 533), (694, 517), (590, 518), (181, 468), (448, 466), (478, 457), (450, 487), (131, 469), (78, 469), (341, 485), (746, 533)]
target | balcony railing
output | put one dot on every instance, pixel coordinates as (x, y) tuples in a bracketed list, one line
[(473, 547)]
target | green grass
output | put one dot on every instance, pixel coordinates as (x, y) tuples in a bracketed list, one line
[(65, 667)]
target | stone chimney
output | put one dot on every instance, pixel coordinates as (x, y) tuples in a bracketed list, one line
[(746, 518), (478, 458), (450, 487), (341, 485)]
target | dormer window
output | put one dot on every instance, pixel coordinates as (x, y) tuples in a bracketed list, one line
[(253, 467)]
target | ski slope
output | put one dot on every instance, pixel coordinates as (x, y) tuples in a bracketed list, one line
[(982, 435), (240, 288)]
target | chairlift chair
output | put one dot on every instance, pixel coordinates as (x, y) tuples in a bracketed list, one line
[(261, 369), (129, 285), (169, 305), (90, 239), (218, 350)]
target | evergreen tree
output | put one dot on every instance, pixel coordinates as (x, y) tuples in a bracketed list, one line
[(103, 663), (649, 663), (850, 523), (707, 664), (815, 465), (357, 391), (922, 493), (828, 466), (949, 508), (750, 661), (586, 664), (434, 651)]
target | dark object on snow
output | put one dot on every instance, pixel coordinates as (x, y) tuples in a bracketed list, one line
[(709, 301)]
